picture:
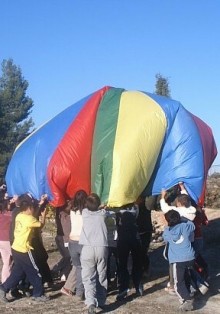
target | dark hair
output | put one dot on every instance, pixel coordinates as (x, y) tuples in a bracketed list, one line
[(24, 205), (79, 200), (24, 201), (184, 200), (24, 198), (172, 217), (93, 202)]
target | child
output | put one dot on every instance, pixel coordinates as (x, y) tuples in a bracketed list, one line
[(5, 247), (145, 229), (94, 253), (39, 252), (181, 254), (76, 205), (200, 221), (186, 211), (129, 242), (112, 265), (183, 204), (63, 267), (21, 252)]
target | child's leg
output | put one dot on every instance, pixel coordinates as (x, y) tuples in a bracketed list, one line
[(5, 252), (145, 242), (179, 270), (110, 253), (70, 283), (123, 253), (32, 272), (64, 265), (89, 275), (171, 279), (76, 249), (136, 264), (101, 256), (16, 275)]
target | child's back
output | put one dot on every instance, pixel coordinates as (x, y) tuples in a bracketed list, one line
[(179, 238)]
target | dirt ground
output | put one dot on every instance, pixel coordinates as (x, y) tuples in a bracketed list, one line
[(155, 299)]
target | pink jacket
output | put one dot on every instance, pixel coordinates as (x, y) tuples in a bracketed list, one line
[(5, 221)]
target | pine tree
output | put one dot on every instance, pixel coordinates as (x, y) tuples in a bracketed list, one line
[(162, 86), (15, 108)]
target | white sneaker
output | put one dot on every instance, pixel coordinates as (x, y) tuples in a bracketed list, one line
[(63, 278), (203, 288)]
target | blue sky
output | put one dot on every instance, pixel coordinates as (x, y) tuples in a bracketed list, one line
[(68, 49)]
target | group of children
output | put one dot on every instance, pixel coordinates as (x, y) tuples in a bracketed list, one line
[(183, 239), (92, 242), (83, 241)]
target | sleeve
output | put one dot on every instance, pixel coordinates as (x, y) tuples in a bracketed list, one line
[(165, 235), (205, 220), (188, 213), (190, 226), (165, 207), (34, 223)]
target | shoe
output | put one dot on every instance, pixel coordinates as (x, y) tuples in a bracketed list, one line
[(67, 292), (140, 290), (91, 309), (48, 284), (63, 278), (186, 306), (3, 295), (42, 298), (203, 288), (16, 294), (122, 295)]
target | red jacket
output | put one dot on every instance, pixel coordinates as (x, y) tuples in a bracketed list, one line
[(200, 221)]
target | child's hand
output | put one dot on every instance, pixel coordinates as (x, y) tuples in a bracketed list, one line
[(181, 185), (163, 193), (43, 199), (102, 206), (13, 199), (44, 212)]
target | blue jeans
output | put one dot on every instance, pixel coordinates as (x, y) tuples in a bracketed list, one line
[(75, 252)]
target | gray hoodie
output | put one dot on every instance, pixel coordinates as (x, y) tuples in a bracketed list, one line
[(94, 230)]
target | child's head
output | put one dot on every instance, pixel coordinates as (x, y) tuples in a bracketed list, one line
[(172, 217), (27, 207), (79, 200), (26, 203), (93, 202), (183, 200)]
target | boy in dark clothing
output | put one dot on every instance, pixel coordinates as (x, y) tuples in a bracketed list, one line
[(128, 242), (145, 230)]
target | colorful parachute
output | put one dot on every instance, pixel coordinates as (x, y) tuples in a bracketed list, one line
[(118, 144)]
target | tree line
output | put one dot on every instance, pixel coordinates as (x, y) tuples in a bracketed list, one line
[(16, 108)]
